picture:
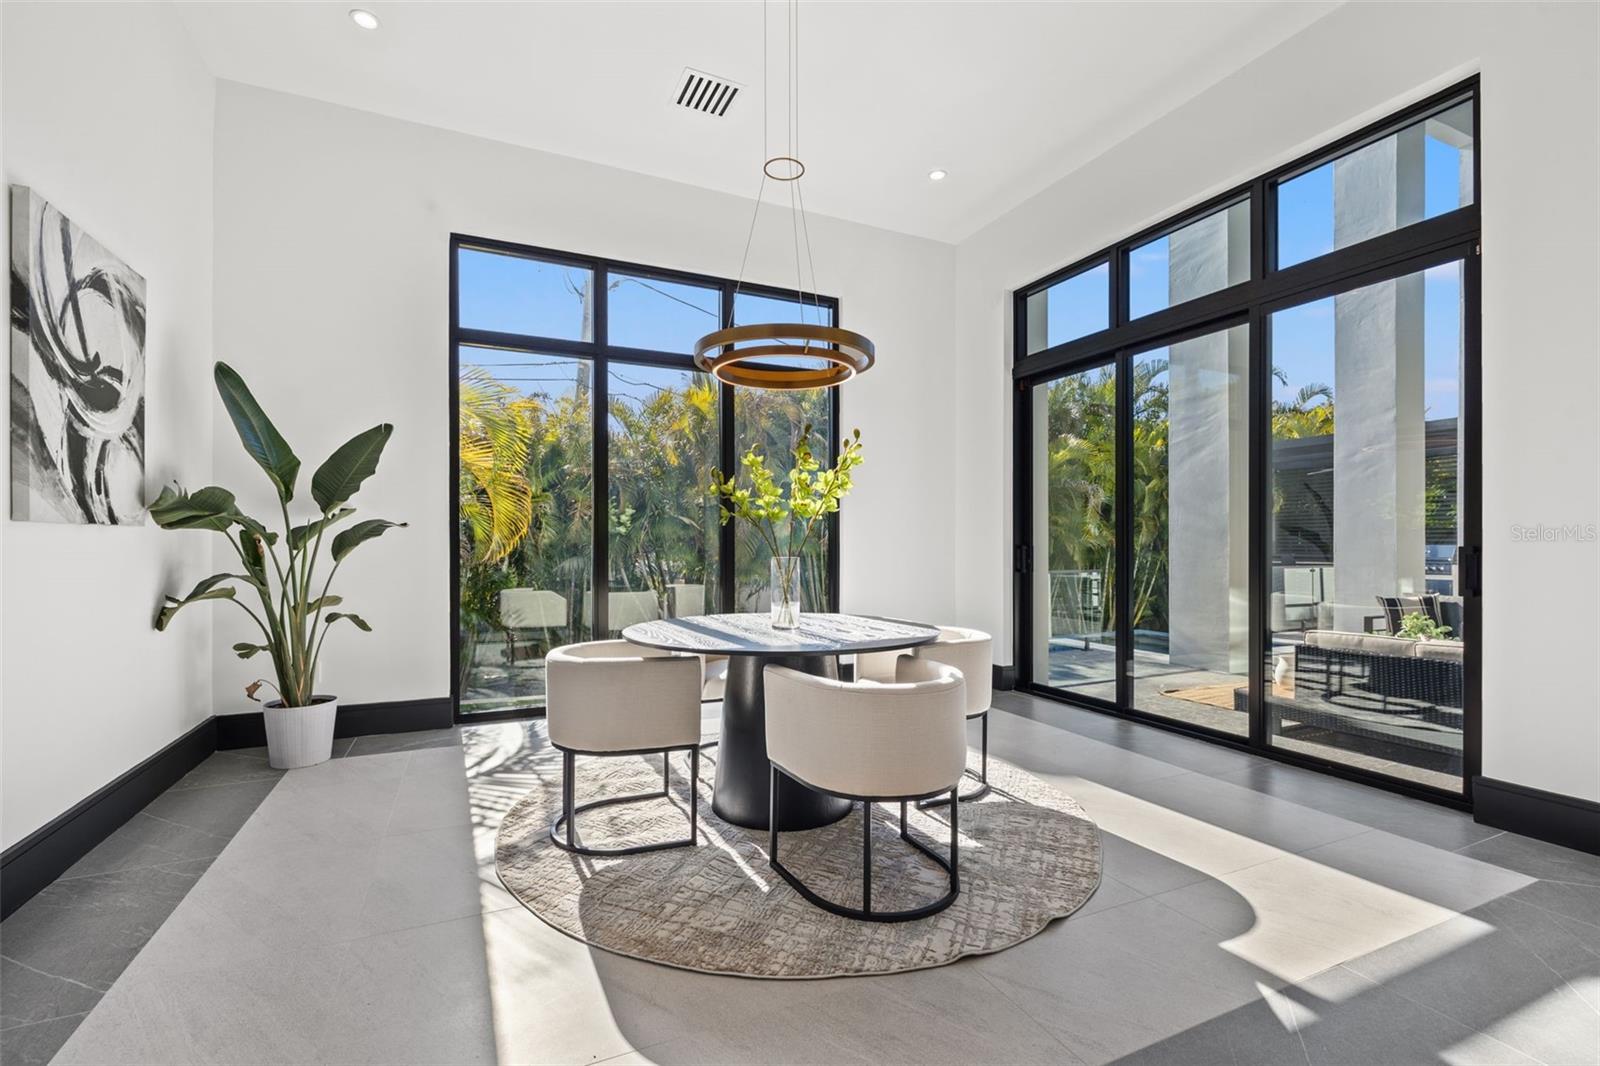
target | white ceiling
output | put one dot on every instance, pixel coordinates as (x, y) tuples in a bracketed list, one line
[(1008, 97)]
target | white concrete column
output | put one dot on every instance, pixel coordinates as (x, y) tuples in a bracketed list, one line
[(1038, 324), (1207, 441), (1379, 437)]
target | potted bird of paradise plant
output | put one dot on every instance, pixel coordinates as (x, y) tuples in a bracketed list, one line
[(295, 612)]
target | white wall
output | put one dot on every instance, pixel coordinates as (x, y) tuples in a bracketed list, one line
[(332, 229), (108, 114), (1541, 226)]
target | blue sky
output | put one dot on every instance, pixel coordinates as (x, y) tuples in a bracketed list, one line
[(1302, 343), (514, 295), (1302, 337), (526, 296), (509, 294), (1077, 306)]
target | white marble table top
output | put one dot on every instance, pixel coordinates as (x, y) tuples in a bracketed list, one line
[(752, 634)]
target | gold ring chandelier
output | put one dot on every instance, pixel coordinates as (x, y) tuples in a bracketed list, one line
[(784, 355)]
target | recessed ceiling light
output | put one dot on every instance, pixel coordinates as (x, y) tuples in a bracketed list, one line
[(937, 175), (363, 18)]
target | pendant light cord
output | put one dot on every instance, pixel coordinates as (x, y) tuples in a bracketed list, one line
[(799, 223)]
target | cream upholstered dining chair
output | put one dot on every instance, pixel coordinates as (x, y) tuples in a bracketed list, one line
[(972, 652), (610, 697), (714, 685), (874, 743)]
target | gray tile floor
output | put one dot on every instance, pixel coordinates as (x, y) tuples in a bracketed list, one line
[(62, 950), (1250, 913)]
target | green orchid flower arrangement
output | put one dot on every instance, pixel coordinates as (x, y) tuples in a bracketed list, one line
[(787, 523)]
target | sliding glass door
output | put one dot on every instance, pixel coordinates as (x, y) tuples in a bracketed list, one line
[(1246, 497), (1190, 600), (1075, 492), (1367, 632)]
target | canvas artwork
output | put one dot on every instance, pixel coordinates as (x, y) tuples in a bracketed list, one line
[(77, 373)]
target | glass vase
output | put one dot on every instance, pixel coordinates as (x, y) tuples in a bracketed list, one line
[(785, 591)]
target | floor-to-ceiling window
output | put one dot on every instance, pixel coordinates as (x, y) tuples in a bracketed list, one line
[(583, 447), (1190, 608), (1246, 460), (1075, 487)]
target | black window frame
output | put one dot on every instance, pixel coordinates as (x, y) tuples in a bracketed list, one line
[(600, 355), (1448, 237)]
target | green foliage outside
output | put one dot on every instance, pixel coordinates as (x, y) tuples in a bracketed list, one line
[(1082, 471), (662, 535), (787, 525)]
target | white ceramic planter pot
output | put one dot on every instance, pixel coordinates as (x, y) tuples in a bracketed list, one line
[(300, 736)]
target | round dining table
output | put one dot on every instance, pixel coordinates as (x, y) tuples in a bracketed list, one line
[(751, 643)]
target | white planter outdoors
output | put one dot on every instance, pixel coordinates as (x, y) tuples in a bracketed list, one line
[(300, 736)]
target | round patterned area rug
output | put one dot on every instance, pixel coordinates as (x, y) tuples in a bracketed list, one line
[(1029, 855)]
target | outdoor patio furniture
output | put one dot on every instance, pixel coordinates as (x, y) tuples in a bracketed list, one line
[(623, 609), (527, 609), (1362, 682)]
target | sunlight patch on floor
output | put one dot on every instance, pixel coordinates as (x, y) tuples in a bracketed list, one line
[(1308, 917), (1287, 914)]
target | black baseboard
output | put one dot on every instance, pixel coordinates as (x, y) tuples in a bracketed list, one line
[(353, 720), (1548, 816), (1005, 678), (45, 854)]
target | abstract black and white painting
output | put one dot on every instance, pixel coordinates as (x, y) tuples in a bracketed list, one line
[(77, 373)]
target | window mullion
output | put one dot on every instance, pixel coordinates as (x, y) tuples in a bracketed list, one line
[(600, 531)]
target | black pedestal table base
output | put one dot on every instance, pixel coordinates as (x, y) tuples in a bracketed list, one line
[(743, 773), (751, 643)]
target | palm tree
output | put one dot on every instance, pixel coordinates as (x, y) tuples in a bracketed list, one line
[(497, 500), (1309, 414)]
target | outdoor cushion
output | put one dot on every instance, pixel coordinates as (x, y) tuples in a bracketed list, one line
[(1395, 608), (1362, 643), (1449, 650)]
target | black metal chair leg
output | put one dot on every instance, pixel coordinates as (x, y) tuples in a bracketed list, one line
[(865, 911), (694, 796), (984, 749), (772, 818), (866, 856), (569, 787), (565, 836), (955, 841), (982, 777)]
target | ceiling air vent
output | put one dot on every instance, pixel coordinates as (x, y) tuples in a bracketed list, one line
[(706, 93)]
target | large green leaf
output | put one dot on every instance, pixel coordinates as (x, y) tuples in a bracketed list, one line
[(207, 508), (209, 589), (300, 535), (352, 538), (354, 619), (256, 431), (355, 460)]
